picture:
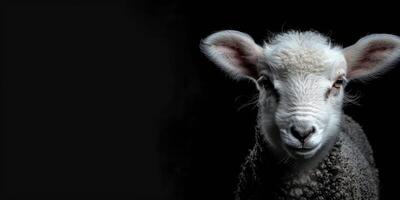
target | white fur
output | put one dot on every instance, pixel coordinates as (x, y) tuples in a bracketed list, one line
[(220, 46), (302, 67), (380, 60)]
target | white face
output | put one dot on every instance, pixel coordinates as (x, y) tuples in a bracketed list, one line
[(305, 87), (304, 107), (300, 77)]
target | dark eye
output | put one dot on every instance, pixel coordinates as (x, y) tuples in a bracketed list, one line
[(335, 89), (339, 83), (266, 83)]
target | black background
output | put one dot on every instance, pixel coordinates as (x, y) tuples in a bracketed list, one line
[(115, 96)]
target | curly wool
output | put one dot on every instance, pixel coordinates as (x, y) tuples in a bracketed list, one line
[(348, 172)]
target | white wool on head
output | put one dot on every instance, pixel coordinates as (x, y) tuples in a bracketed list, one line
[(302, 51)]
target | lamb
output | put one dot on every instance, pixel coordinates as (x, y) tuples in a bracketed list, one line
[(306, 147)]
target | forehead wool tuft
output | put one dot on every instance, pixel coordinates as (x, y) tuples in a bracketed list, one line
[(302, 51)]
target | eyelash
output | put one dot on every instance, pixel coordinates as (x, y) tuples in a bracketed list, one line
[(339, 82), (334, 90), (264, 82)]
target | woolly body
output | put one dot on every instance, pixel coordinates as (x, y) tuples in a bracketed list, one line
[(306, 148), (348, 172)]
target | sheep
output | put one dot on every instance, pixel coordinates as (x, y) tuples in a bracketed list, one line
[(305, 146)]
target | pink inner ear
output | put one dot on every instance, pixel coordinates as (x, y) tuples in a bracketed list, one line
[(374, 55), (372, 58), (238, 58)]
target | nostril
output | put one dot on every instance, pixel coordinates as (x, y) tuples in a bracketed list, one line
[(296, 133), (312, 130), (302, 135)]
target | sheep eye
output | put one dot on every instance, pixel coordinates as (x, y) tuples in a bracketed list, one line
[(335, 89), (339, 83), (266, 83)]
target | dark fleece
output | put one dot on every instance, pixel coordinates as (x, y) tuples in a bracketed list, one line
[(347, 172)]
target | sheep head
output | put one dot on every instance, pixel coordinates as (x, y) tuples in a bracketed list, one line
[(300, 77)]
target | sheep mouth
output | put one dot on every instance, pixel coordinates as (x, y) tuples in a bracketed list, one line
[(302, 151)]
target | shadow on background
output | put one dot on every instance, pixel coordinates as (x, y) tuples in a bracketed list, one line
[(116, 97)]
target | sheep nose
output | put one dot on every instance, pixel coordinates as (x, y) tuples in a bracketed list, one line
[(302, 133)]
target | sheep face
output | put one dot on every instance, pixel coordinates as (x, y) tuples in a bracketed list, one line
[(301, 92), (301, 78)]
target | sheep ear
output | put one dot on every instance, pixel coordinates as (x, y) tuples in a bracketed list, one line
[(234, 52), (371, 55)]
